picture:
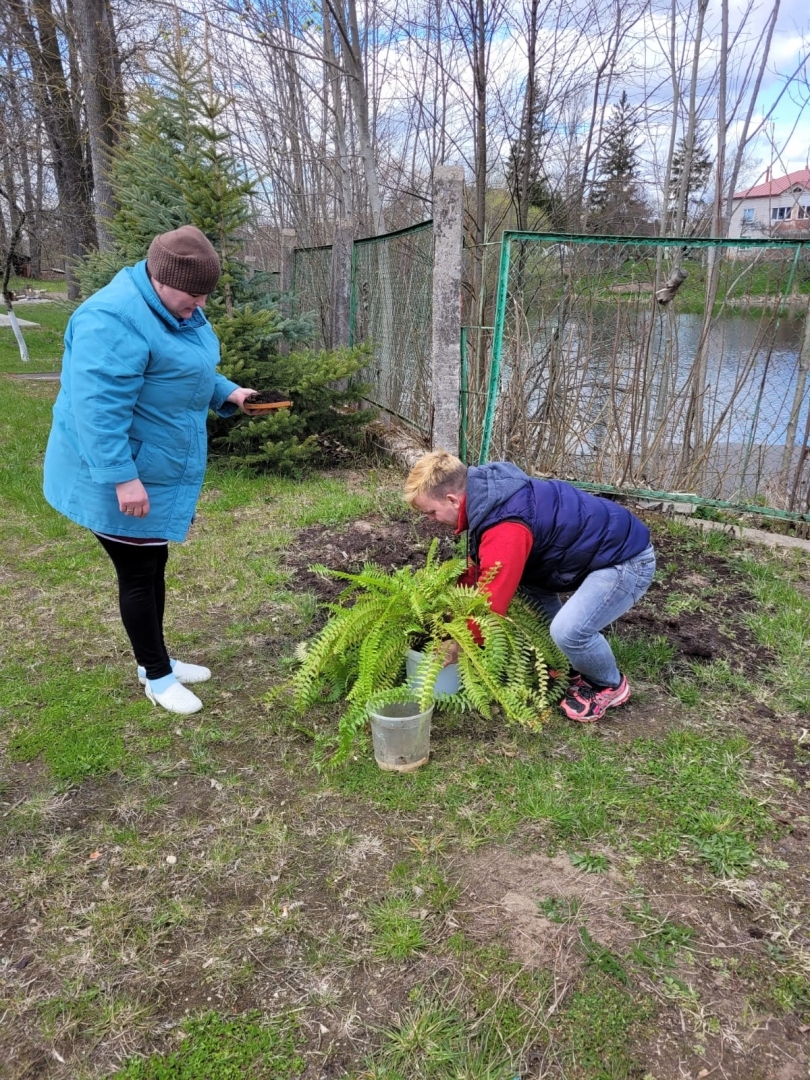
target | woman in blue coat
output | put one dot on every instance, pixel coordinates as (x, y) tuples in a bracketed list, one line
[(127, 451)]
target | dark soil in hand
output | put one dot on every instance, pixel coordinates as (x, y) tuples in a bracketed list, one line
[(266, 397)]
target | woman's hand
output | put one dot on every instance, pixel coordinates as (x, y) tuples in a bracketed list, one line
[(132, 498), (238, 396)]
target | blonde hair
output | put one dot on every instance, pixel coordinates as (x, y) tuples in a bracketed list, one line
[(436, 474)]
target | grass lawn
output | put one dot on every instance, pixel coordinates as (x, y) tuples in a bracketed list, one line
[(45, 341), (190, 898), (745, 283)]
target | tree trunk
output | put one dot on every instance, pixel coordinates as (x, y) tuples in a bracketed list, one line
[(38, 32), (526, 145), (348, 28), (691, 125), (16, 232), (694, 433), (332, 84), (104, 102), (36, 217), (802, 380)]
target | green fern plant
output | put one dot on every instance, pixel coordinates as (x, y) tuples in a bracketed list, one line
[(360, 653)]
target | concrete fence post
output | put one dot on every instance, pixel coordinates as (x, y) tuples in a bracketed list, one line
[(287, 269), (341, 283), (448, 191), (288, 240)]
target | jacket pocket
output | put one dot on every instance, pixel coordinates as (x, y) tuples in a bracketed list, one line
[(159, 465)]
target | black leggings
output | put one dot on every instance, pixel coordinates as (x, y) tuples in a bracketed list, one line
[(141, 599)]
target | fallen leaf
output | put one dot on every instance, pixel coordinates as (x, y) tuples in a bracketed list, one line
[(94, 855)]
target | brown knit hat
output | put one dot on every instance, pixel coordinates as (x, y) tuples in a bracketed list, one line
[(184, 259)]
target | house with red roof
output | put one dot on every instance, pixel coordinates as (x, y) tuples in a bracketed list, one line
[(779, 207)]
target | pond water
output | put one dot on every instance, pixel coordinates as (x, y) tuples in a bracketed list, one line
[(752, 372), (622, 389)]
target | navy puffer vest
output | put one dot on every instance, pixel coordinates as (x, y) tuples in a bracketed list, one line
[(574, 532)]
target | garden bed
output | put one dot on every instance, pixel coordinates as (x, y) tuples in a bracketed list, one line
[(623, 899)]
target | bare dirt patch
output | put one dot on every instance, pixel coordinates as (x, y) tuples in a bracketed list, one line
[(503, 900)]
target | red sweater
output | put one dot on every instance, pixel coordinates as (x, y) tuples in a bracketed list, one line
[(507, 544)]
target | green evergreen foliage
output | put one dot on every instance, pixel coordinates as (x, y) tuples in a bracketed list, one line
[(697, 211), (175, 168), (360, 653), (616, 203), (525, 164), (162, 144), (287, 439)]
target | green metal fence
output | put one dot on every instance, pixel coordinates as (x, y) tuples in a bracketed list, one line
[(391, 307), (597, 374), (312, 288)]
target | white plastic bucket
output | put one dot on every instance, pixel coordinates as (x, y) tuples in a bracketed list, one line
[(446, 681), (401, 735)]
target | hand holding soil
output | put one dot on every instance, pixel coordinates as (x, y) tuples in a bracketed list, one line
[(265, 401)]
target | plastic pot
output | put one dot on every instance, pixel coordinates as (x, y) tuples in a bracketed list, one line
[(401, 735), (446, 681)]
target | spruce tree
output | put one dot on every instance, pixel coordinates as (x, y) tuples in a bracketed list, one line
[(697, 213), (616, 203), (176, 168), (525, 176)]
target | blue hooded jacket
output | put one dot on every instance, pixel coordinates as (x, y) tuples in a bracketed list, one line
[(137, 384), (573, 532)]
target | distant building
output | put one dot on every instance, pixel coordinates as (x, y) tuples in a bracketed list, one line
[(779, 207)]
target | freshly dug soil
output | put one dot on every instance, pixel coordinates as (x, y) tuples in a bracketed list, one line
[(715, 630), (266, 397)]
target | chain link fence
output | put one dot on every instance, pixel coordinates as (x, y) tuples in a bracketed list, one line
[(391, 308), (651, 364), (392, 284), (312, 289)]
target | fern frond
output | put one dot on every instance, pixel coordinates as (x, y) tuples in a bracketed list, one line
[(359, 654)]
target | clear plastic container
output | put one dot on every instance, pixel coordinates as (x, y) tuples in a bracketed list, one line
[(401, 735), (446, 681)]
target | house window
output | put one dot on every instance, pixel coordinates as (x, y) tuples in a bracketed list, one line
[(781, 213), (748, 215), (804, 213)]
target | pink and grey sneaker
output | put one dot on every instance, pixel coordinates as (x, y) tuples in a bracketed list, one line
[(585, 703), (575, 680)]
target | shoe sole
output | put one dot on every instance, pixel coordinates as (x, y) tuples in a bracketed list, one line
[(184, 682), (175, 712), (598, 716)]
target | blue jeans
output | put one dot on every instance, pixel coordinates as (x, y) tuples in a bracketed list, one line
[(603, 596)]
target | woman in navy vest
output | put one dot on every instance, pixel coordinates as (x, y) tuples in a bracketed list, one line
[(548, 537)]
